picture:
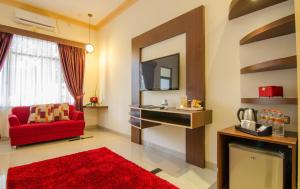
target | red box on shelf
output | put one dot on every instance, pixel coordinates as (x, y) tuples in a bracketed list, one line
[(270, 91)]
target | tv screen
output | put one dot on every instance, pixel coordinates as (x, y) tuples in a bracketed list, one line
[(160, 74)]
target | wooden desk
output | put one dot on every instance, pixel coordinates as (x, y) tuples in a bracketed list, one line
[(230, 134), (192, 121)]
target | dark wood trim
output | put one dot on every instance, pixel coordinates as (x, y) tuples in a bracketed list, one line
[(271, 65), (294, 166), (269, 101), (195, 145), (136, 135), (242, 7), (283, 26), (192, 24), (148, 124), (27, 33)]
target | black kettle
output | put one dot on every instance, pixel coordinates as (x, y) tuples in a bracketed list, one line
[(247, 114)]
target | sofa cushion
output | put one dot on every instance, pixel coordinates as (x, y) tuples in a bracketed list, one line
[(61, 112), (29, 129), (41, 114), (34, 129)]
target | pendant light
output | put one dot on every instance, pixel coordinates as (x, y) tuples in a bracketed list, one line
[(89, 47)]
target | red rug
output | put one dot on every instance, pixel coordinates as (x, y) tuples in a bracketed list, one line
[(93, 169)]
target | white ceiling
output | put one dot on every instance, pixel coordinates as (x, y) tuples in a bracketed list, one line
[(78, 9)]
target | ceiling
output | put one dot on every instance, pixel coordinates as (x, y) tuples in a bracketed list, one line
[(78, 9)]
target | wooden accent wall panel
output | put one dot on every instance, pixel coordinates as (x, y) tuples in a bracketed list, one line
[(136, 135), (195, 145), (193, 25)]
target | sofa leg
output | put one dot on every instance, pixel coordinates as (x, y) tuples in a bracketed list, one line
[(14, 147)]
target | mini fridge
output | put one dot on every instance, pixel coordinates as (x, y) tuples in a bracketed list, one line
[(253, 168)]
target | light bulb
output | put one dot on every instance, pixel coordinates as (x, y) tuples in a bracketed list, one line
[(89, 48)]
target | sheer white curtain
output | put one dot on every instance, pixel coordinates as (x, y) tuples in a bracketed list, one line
[(32, 74)]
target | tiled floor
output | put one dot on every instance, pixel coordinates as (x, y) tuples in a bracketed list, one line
[(175, 170)]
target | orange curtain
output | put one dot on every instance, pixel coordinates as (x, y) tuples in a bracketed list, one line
[(73, 61), (5, 41)]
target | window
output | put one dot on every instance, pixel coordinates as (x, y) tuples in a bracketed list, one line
[(32, 74), (165, 78)]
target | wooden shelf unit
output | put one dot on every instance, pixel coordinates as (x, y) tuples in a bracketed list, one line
[(192, 121), (283, 26), (230, 134), (269, 101), (142, 117), (272, 65), (242, 7)]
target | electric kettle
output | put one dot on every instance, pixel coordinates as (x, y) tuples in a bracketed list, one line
[(247, 114)]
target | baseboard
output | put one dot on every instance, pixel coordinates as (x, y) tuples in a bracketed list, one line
[(114, 131), (4, 138), (179, 155), (147, 144), (163, 149), (87, 127)]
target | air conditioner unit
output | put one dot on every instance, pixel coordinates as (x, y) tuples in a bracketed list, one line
[(33, 19)]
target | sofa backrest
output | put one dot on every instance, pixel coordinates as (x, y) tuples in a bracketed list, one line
[(23, 112)]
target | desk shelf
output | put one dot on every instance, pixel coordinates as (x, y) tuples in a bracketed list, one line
[(193, 121), (171, 117)]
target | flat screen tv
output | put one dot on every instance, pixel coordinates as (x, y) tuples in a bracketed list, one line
[(160, 74)]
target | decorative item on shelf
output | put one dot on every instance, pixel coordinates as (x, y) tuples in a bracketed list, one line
[(186, 104), (164, 104), (196, 103), (94, 99), (183, 102), (271, 91)]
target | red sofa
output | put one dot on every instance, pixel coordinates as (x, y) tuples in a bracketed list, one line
[(22, 133)]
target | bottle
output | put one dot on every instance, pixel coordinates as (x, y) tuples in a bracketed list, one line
[(275, 126), (281, 124), (262, 117), (270, 117), (278, 124)]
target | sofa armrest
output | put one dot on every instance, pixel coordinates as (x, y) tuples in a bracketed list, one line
[(13, 120), (78, 115)]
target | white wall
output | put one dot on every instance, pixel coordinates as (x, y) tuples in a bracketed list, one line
[(66, 31), (165, 134), (223, 57)]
